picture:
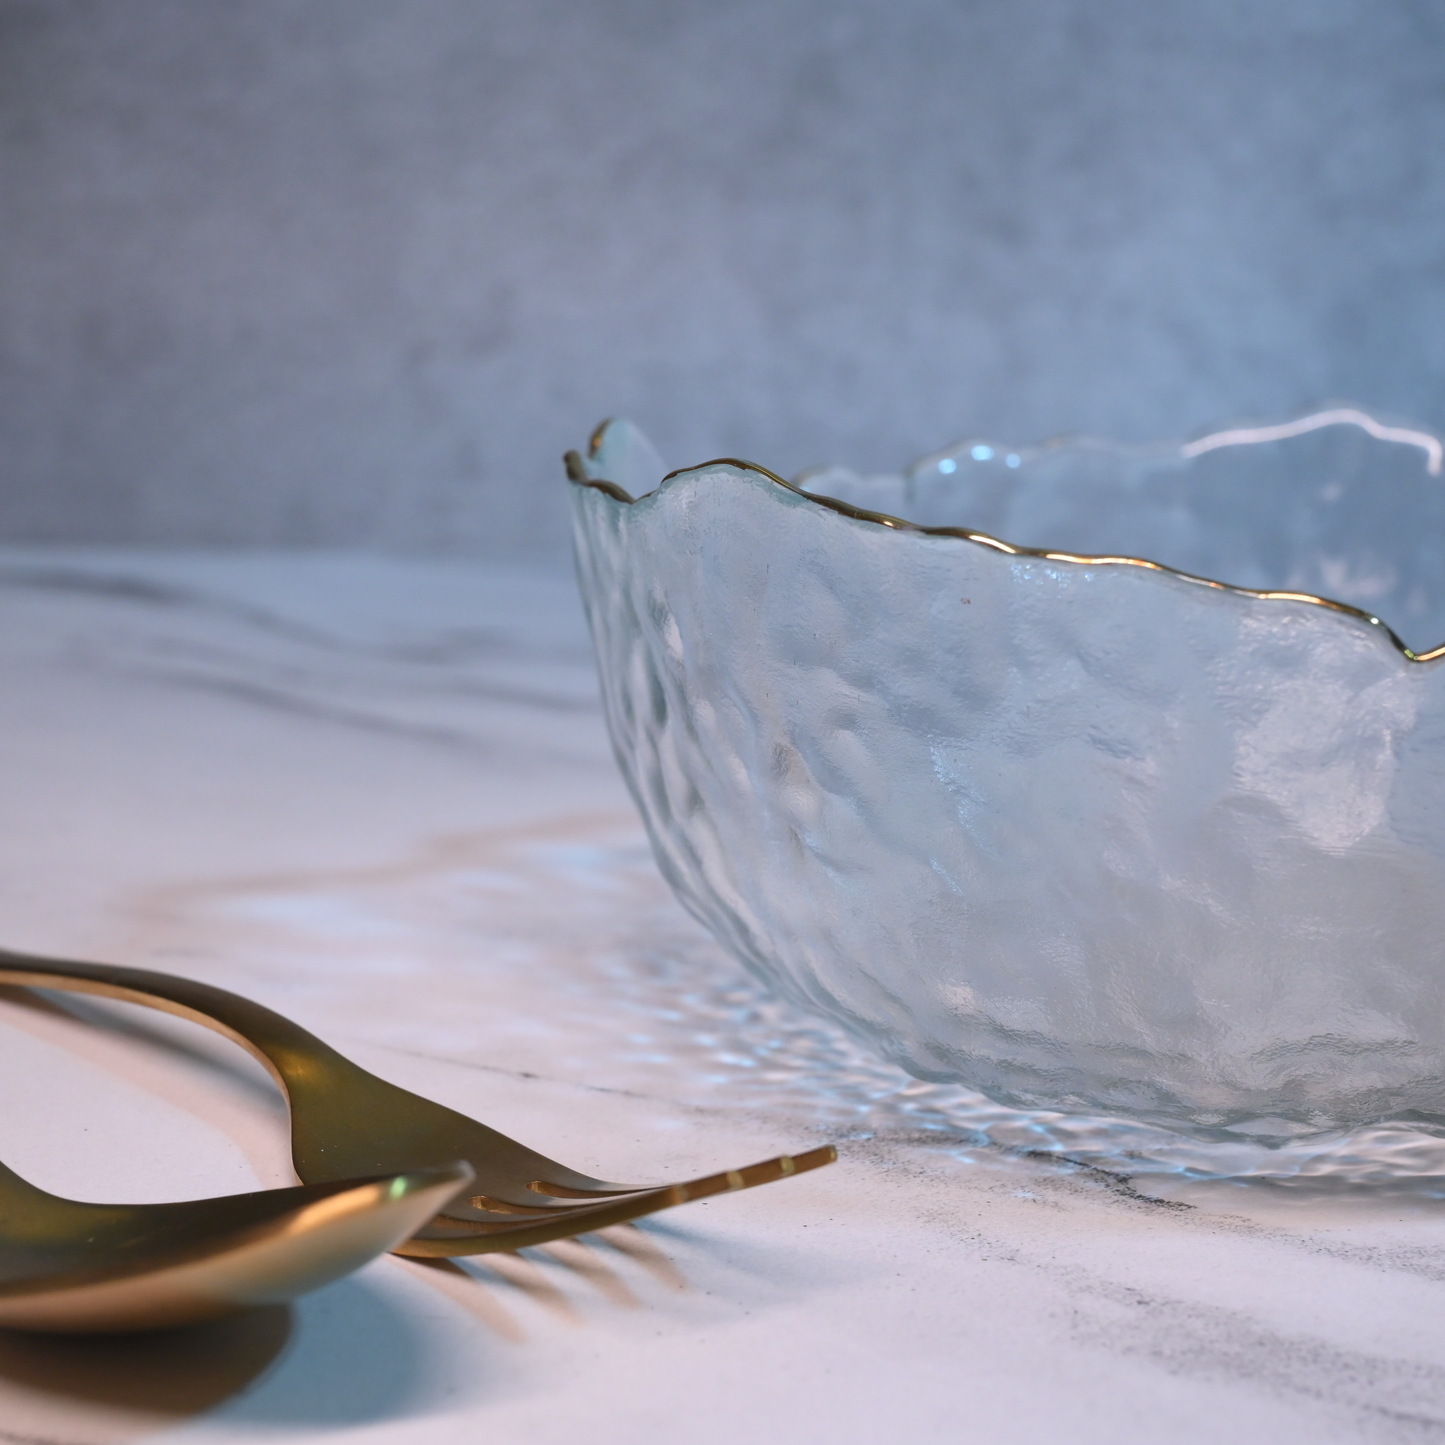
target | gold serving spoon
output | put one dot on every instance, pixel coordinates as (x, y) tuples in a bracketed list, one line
[(71, 1267), (347, 1123)]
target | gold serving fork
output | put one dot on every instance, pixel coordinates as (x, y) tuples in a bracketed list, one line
[(66, 1266), (347, 1123)]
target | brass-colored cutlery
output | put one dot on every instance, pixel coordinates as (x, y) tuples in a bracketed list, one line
[(346, 1123)]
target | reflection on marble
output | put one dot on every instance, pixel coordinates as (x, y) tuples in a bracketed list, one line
[(378, 796)]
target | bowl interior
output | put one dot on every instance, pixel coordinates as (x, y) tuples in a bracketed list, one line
[(1332, 510)]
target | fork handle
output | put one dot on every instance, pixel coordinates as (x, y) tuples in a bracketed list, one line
[(345, 1122), (285, 1048)]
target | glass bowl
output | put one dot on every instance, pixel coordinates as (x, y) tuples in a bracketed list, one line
[(1160, 838)]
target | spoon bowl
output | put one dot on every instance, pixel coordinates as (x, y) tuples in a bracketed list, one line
[(73, 1267)]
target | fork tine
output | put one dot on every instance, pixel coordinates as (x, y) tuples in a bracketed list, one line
[(449, 1238), (769, 1170)]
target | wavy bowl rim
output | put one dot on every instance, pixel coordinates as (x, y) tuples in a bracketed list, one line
[(578, 474)]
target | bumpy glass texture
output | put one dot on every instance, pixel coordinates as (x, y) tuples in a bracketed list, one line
[(1082, 835)]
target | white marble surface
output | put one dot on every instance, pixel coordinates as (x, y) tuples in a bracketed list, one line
[(377, 795)]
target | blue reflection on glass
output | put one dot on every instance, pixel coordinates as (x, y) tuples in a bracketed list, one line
[(947, 465), (1012, 459), (982, 453)]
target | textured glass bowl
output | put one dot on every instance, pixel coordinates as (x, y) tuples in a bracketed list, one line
[(1075, 829)]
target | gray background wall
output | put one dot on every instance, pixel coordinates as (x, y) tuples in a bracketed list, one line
[(357, 271)]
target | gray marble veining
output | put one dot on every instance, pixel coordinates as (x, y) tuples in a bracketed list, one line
[(483, 923)]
